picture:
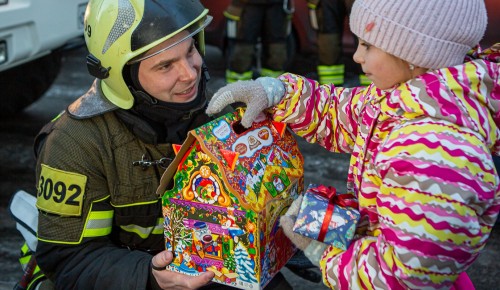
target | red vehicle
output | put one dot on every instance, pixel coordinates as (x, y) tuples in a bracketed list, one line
[(492, 34), (303, 38)]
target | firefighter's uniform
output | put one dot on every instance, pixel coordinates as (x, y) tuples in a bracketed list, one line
[(100, 162), (249, 21), (97, 181), (328, 17)]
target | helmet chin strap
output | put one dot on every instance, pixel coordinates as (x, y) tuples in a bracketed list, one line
[(141, 97), (135, 87)]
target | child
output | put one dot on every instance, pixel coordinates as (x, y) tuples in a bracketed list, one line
[(421, 137)]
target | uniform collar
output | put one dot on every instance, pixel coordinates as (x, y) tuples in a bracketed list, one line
[(92, 103)]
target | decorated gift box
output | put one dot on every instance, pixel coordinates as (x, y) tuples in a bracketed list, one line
[(223, 195), (327, 216)]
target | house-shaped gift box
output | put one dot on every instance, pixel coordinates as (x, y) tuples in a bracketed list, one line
[(223, 195)]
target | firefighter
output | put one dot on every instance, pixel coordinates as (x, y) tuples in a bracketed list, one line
[(99, 163), (327, 17), (250, 22)]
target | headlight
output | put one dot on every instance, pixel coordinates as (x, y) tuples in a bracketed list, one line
[(3, 49)]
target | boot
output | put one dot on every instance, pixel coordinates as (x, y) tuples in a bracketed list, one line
[(331, 74), (232, 76), (330, 70), (265, 72), (240, 63), (364, 81)]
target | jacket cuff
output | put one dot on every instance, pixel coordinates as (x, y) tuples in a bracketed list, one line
[(314, 251)]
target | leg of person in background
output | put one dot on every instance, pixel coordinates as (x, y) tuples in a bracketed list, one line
[(330, 18), (362, 79), (246, 32), (240, 62), (277, 23), (330, 74), (274, 60)]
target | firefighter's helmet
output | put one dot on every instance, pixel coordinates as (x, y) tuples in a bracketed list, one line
[(121, 32)]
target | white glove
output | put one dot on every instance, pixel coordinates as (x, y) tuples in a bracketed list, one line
[(258, 95), (312, 249)]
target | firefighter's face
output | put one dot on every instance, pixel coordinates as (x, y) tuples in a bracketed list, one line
[(172, 75)]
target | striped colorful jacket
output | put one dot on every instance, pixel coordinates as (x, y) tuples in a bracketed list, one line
[(421, 166)]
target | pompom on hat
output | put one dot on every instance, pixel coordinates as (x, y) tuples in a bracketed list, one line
[(427, 33)]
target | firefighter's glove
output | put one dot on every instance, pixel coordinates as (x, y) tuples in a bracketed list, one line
[(312, 249), (258, 95)]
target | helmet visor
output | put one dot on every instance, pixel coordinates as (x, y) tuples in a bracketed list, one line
[(193, 30)]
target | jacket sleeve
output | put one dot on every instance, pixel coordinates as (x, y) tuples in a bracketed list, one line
[(322, 114), (437, 201), (96, 264)]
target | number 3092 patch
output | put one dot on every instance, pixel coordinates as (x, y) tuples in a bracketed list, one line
[(60, 192)]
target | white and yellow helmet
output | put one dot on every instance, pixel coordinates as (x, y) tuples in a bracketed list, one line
[(120, 32)]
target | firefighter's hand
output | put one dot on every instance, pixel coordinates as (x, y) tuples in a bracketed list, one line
[(312, 249), (172, 280), (258, 95)]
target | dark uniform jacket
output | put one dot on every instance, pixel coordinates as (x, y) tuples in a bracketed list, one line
[(97, 184)]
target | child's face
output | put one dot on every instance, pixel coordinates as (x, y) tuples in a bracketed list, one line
[(383, 69)]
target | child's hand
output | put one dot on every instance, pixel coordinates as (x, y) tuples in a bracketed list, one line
[(312, 249), (258, 95), (300, 241), (288, 220)]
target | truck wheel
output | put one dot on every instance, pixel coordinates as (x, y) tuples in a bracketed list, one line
[(22, 85)]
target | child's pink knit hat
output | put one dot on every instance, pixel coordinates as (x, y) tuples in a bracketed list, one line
[(427, 33)]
